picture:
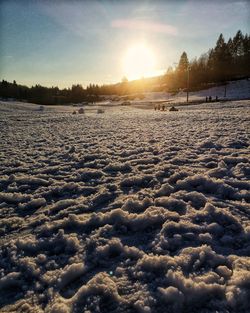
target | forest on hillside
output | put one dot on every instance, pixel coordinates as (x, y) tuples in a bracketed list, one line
[(226, 61)]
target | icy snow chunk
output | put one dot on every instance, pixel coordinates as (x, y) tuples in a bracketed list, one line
[(118, 167), (205, 238), (219, 172), (63, 204), (137, 181), (238, 289), (34, 181), (165, 190), (41, 258), (29, 266), (113, 249), (72, 149), (224, 271), (99, 284), (70, 273), (35, 203), (172, 204), (208, 144), (11, 280), (60, 308), (196, 199), (171, 294), (156, 264), (141, 307), (134, 205), (208, 185), (13, 197), (88, 174)]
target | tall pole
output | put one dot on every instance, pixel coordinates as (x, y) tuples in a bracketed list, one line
[(187, 82)]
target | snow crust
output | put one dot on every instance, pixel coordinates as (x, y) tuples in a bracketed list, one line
[(128, 211)]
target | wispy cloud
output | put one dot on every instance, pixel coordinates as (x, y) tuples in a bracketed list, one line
[(135, 24), (82, 18)]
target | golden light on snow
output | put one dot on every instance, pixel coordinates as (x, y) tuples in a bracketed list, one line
[(139, 61)]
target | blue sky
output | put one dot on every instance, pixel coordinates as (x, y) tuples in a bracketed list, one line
[(59, 43)]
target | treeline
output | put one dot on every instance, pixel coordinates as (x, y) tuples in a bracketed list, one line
[(226, 61), (92, 93), (45, 95)]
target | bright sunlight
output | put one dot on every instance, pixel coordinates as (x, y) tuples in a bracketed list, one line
[(138, 62)]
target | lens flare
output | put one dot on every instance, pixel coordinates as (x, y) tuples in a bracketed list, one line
[(138, 62)]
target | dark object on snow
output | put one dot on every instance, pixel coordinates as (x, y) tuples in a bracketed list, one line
[(81, 111), (126, 103), (173, 109), (163, 107), (206, 99), (74, 112), (210, 98), (216, 98)]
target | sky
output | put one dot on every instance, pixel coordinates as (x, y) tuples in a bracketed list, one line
[(60, 43)]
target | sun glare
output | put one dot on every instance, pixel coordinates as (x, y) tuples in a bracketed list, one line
[(138, 62)]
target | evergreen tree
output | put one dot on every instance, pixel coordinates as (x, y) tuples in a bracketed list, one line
[(183, 63), (246, 58), (238, 46), (182, 71), (222, 59)]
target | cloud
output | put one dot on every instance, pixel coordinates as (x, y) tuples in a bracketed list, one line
[(79, 18), (145, 26)]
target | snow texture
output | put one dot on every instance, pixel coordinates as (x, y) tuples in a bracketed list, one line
[(129, 211)]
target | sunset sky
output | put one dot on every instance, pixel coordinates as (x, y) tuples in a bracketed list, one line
[(66, 42)]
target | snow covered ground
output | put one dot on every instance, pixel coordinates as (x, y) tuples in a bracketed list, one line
[(235, 90), (128, 211)]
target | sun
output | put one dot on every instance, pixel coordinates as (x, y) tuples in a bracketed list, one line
[(138, 61)]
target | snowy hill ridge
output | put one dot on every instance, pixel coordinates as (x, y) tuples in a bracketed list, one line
[(235, 90)]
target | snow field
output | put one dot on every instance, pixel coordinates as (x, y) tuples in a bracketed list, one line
[(127, 211)]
